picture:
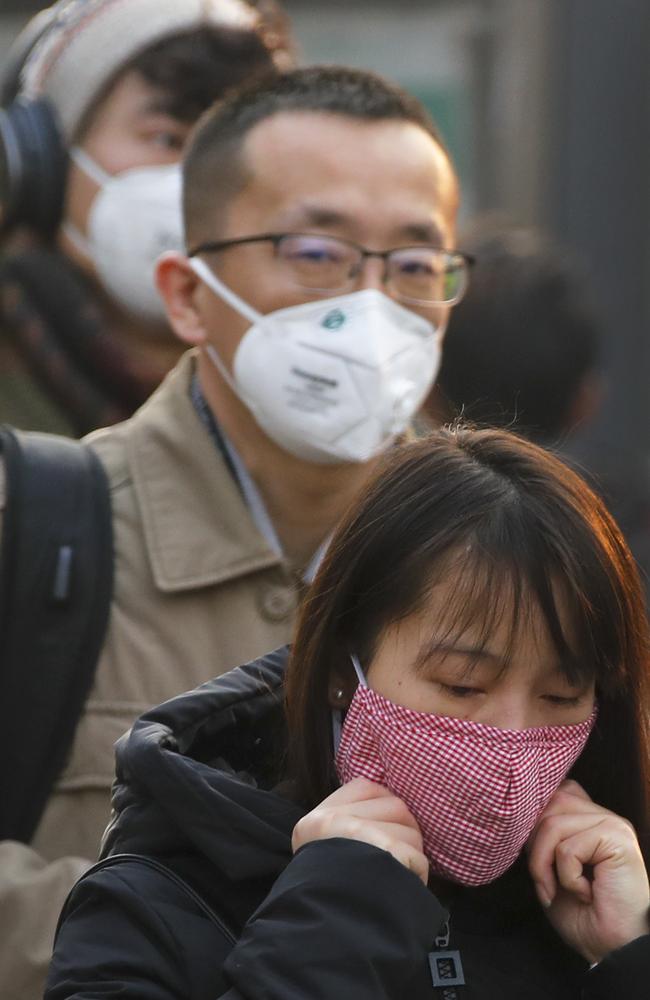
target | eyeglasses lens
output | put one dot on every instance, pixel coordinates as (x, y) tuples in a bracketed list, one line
[(426, 275), (318, 262), (416, 274)]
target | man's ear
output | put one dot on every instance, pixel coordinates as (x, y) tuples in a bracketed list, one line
[(177, 284)]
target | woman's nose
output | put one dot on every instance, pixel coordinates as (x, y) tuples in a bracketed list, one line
[(508, 713)]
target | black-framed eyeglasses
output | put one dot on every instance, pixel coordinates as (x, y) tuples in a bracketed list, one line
[(422, 275)]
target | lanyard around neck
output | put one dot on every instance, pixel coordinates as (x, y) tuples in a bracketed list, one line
[(252, 496)]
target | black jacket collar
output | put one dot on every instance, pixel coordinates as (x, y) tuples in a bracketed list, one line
[(196, 776)]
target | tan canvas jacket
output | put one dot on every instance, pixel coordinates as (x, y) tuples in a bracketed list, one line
[(197, 591)]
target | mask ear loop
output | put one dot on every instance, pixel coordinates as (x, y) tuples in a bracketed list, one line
[(218, 288), (88, 166), (336, 718), (337, 714), (361, 677), (101, 177)]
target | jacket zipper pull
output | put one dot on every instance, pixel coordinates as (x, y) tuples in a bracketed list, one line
[(446, 966)]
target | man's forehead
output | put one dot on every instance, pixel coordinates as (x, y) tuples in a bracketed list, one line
[(322, 169), (308, 131), (317, 214)]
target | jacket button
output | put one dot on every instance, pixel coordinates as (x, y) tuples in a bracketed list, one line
[(276, 604)]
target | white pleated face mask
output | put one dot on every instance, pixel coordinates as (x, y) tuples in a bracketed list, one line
[(336, 380), (135, 216)]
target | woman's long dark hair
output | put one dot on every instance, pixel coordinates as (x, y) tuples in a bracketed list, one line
[(500, 516)]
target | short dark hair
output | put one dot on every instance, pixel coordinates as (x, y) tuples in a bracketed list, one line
[(524, 337), (518, 530), (195, 68), (213, 160)]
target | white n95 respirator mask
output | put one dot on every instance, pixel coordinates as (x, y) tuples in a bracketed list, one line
[(135, 216), (336, 380)]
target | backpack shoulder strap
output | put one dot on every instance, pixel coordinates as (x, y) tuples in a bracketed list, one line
[(144, 861), (56, 581)]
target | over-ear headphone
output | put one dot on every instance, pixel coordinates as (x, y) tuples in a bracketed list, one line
[(33, 158)]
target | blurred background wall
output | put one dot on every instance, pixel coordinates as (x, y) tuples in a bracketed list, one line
[(545, 105)]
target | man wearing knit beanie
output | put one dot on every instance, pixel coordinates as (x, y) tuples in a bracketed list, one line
[(116, 86)]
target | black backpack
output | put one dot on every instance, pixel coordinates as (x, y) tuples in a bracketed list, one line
[(56, 582)]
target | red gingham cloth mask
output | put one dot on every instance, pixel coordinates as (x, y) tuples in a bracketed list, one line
[(475, 790)]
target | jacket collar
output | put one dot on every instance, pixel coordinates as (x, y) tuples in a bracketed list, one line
[(198, 530), (194, 773)]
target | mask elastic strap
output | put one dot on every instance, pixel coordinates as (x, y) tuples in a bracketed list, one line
[(217, 286), (89, 167), (358, 671), (213, 354), (337, 714), (77, 238), (97, 174), (209, 278), (337, 728)]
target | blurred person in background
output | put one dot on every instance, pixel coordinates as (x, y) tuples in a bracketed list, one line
[(320, 211), (522, 351), (98, 100)]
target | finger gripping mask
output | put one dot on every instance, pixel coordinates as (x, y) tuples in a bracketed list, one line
[(476, 791)]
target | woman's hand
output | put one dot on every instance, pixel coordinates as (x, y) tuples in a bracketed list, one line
[(363, 810), (589, 873)]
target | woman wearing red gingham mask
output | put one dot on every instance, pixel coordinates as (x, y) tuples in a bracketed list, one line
[(476, 791), (479, 627), (443, 796)]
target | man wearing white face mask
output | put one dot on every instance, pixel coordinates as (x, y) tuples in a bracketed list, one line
[(320, 213), (96, 108), (319, 305)]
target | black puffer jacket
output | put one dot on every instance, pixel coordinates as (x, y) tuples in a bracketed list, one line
[(338, 920)]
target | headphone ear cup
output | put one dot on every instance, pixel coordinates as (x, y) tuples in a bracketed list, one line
[(33, 166)]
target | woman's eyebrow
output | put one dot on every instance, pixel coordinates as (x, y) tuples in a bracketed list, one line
[(580, 684), (475, 654)]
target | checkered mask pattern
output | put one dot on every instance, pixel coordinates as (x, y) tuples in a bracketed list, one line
[(476, 791)]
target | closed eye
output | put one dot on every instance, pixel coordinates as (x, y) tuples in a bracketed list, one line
[(459, 690), (566, 701)]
